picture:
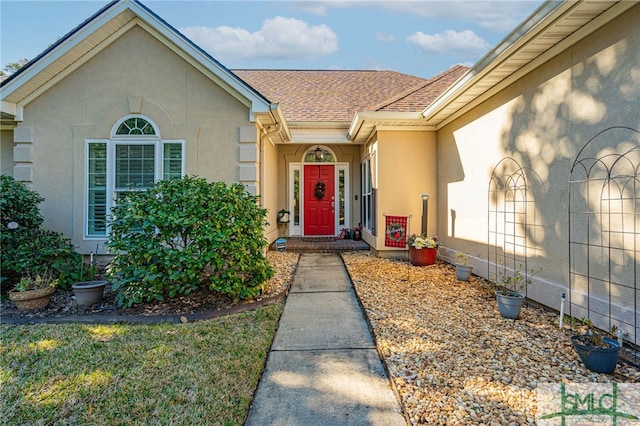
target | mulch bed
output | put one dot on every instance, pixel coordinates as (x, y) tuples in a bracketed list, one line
[(200, 304)]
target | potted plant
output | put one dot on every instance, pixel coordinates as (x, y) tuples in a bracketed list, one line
[(510, 295), (598, 350), (33, 292), (422, 249), (463, 271), (89, 292)]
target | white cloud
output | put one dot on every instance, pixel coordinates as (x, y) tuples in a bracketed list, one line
[(386, 38), (450, 42), (279, 38), (496, 15), (312, 8)]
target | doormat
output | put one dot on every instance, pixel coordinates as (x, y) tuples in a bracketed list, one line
[(318, 239)]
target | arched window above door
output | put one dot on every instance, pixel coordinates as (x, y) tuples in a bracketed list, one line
[(319, 154)]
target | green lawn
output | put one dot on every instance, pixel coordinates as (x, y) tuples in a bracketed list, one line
[(197, 373)]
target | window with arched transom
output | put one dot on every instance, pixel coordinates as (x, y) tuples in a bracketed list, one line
[(131, 160)]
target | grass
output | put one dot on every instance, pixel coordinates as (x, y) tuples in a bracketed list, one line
[(197, 373)]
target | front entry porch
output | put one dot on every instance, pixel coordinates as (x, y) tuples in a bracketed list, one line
[(322, 245), (319, 192)]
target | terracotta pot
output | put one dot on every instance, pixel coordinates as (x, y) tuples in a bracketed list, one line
[(423, 256), (32, 299)]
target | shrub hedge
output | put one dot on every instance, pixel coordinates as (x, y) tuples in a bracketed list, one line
[(26, 248), (180, 234)]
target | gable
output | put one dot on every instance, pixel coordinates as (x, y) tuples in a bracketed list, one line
[(95, 35)]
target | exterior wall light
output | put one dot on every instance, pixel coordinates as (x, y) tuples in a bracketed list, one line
[(425, 213)]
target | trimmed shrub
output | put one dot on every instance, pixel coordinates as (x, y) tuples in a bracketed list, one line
[(28, 248), (183, 233)]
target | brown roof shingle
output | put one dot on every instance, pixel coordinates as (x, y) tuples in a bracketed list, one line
[(336, 95), (419, 99)]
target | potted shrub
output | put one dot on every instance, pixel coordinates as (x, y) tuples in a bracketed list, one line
[(33, 292), (597, 350), (510, 295), (422, 249), (463, 271)]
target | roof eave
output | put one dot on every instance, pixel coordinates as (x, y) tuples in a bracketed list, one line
[(493, 57), (529, 31), (365, 123)]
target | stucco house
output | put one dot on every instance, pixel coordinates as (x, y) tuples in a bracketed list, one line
[(505, 149)]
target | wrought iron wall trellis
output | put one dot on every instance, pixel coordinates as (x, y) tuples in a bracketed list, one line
[(604, 232), (512, 218)]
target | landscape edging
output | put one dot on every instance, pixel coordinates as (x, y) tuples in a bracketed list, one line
[(148, 319)]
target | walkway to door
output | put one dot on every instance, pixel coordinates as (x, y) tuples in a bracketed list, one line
[(323, 367), (322, 245)]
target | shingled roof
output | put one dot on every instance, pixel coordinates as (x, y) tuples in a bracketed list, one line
[(336, 95)]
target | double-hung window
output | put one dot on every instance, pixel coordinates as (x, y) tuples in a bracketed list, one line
[(132, 160)]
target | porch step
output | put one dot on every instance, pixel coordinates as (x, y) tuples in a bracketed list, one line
[(321, 245)]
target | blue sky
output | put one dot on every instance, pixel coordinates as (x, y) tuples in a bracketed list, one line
[(418, 37)]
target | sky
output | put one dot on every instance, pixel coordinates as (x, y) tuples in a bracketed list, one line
[(419, 37)]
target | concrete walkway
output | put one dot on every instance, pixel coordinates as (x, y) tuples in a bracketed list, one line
[(323, 368)]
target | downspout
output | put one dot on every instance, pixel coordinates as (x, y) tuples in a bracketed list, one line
[(268, 133), (263, 138)]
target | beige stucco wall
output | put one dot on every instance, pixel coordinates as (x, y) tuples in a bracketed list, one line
[(542, 121), (406, 168), (6, 152), (136, 74)]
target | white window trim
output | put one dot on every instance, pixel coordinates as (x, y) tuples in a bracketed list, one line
[(296, 230), (347, 196), (110, 187), (368, 167), (114, 129)]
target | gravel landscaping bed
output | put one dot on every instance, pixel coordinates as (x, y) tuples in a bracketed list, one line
[(451, 357)]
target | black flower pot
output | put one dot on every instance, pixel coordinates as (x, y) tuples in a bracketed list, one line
[(596, 358)]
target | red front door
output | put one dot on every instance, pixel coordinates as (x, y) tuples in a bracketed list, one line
[(319, 199)]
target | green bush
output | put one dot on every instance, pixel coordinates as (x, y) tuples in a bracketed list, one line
[(19, 204), (183, 233), (29, 249)]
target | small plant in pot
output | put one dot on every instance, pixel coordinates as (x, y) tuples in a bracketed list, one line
[(510, 295), (597, 349), (33, 292), (89, 292), (463, 271)]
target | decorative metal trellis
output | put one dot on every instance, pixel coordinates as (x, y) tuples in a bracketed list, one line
[(604, 234), (512, 218)]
